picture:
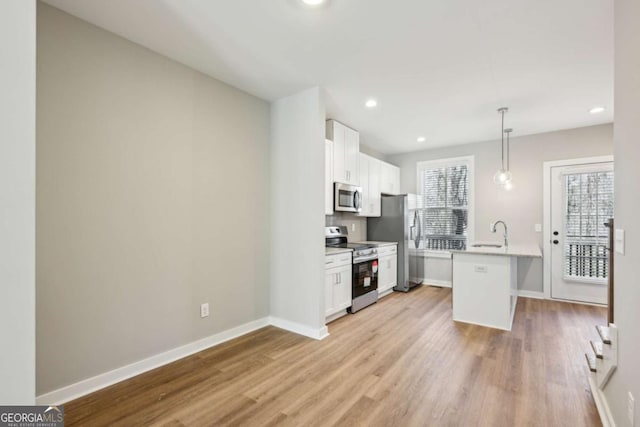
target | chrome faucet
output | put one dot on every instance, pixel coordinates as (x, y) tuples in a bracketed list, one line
[(493, 230)]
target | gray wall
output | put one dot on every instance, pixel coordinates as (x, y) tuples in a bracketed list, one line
[(627, 151), (17, 201), (521, 208), (152, 198), (297, 207)]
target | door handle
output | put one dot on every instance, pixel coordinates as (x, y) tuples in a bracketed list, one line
[(555, 242)]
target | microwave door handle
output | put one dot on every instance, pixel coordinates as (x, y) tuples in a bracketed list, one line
[(356, 200)]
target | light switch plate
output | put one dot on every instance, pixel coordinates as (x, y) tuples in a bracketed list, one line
[(619, 241), (204, 310), (538, 228)]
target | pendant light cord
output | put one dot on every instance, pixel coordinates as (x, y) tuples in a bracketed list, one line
[(502, 139), (508, 150)]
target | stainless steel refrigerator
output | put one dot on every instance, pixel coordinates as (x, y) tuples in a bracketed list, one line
[(400, 222)]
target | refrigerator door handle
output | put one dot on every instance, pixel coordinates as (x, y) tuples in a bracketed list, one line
[(416, 224)]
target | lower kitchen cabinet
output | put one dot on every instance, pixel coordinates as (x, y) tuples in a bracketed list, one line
[(387, 269), (337, 296)]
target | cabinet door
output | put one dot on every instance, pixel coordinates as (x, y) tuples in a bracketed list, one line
[(385, 178), (393, 271), (388, 272), (330, 279), (342, 290), (364, 183), (338, 138), (390, 179), (395, 179), (328, 177), (375, 171), (351, 155), (383, 274)]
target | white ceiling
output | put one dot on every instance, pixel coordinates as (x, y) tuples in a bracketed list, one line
[(438, 68)]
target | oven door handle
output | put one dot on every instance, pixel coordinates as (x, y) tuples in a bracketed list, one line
[(367, 259)]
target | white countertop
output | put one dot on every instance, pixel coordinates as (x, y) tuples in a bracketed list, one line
[(531, 250), (333, 251), (371, 242)]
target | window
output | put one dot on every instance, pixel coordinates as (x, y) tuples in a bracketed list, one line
[(446, 214), (589, 203)]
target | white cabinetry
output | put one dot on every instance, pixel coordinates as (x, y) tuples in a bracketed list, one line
[(387, 269), (370, 182), (390, 179), (337, 283), (328, 177), (346, 149)]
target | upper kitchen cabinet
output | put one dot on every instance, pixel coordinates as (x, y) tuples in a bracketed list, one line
[(328, 177), (370, 169), (390, 179), (346, 149)]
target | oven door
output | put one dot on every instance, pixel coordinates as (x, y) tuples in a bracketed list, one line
[(365, 277), (348, 198)]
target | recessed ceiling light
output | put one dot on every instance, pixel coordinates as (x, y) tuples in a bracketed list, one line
[(313, 2), (596, 110), (371, 103), (421, 139)]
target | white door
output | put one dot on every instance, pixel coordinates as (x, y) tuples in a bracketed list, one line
[(581, 202)]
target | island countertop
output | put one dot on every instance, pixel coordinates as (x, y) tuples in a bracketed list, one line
[(516, 250)]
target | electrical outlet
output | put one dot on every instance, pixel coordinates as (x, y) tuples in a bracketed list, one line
[(204, 310), (631, 409), (353, 227), (538, 228)]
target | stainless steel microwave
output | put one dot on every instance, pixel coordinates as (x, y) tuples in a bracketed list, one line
[(348, 198)]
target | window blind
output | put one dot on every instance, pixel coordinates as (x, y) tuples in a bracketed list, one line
[(445, 191), (589, 204)]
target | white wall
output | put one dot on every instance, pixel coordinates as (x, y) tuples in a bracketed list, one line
[(520, 208), (297, 212), (152, 198), (17, 201), (627, 155)]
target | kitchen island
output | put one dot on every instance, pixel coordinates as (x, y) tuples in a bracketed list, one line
[(485, 283)]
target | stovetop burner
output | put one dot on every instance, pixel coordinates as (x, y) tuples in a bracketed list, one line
[(354, 246)]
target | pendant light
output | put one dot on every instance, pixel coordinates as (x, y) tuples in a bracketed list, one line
[(503, 175), (509, 184)]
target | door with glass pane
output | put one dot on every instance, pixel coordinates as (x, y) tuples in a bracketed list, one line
[(581, 203)]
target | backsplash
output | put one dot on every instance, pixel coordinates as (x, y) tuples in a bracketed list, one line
[(359, 233)]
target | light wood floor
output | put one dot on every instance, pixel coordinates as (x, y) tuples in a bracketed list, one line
[(400, 362)]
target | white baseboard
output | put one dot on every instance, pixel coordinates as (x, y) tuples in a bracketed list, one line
[(438, 283), (601, 404), (297, 328), (84, 387), (385, 293), (530, 294), (335, 316), (89, 385)]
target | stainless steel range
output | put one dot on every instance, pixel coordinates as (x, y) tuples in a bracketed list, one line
[(364, 281)]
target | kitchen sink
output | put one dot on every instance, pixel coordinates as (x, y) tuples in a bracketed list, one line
[(486, 245)]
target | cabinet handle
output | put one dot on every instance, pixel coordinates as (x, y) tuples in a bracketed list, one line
[(339, 278)]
